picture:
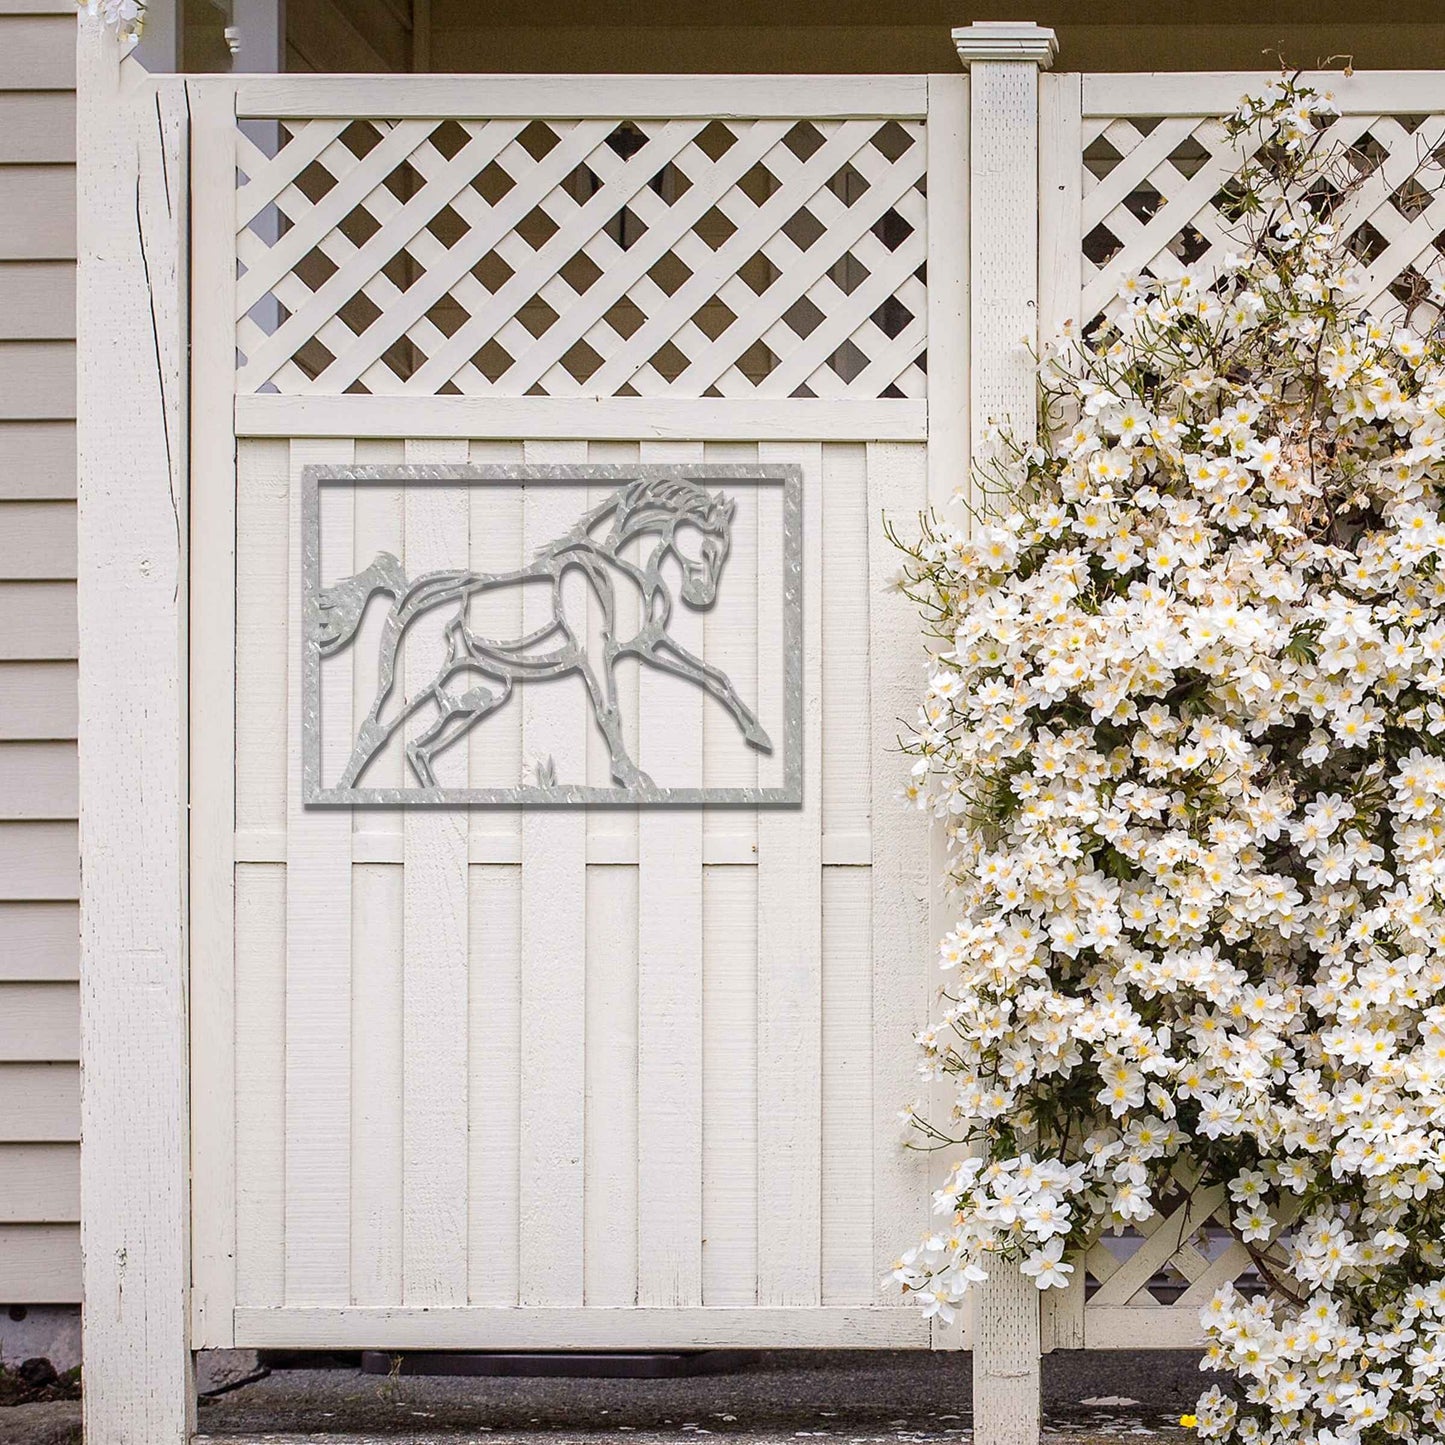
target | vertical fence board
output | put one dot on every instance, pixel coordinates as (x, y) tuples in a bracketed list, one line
[(554, 958), (434, 988), (263, 555), (494, 758), (790, 937), (318, 942), (730, 935), (669, 973), (611, 1202), (1003, 332), (495, 1000), (261, 1085), (377, 948), (848, 1269), (212, 662), (902, 879), (135, 1119), (1061, 175), (378, 1083)]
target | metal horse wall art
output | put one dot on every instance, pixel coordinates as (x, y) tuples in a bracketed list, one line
[(658, 515)]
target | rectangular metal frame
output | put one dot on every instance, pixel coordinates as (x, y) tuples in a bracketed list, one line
[(789, 477)]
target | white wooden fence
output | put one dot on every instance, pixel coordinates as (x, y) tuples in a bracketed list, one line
[(566, 1078), (603, 1078)]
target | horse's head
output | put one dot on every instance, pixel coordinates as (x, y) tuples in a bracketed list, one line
[(701, 545), (693, 523)]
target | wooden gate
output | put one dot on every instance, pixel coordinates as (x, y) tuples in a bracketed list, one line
[(562, 1077)]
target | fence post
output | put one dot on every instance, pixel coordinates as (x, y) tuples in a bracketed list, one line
[(1004, 59), (131, 439)]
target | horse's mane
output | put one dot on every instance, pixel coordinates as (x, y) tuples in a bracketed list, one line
[(661, 498), (644, 503)]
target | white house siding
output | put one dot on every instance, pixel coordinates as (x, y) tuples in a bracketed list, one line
[(39, 861)]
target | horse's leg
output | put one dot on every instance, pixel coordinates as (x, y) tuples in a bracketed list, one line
[(456, 716), (668, 655), (374, 734), (609, 719), (602, 694)]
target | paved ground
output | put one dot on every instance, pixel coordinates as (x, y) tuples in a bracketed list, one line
[(885, 1398)]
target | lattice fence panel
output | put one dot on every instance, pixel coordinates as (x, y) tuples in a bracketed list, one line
[(599, 258), (1149, 1284), (1155, 201)]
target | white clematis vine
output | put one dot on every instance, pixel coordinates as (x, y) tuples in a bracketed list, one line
[(1186, 725)]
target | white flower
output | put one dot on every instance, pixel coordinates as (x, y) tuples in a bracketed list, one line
[(1046, 1266), (126, 17), (1186, 731)]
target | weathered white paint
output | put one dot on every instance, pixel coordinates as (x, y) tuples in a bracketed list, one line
[(133, 722), (1004, 60), (636, 1073), (562, 97), (555, 1101), (625, 418), (215, 747)]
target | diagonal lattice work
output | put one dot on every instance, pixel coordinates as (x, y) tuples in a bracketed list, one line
[(597, 258), (1156, 200), (1148, 1285)]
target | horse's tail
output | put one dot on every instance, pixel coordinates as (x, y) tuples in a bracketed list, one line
[(337, 611)]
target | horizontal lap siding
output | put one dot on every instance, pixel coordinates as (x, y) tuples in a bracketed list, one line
[(39, 868), (591, 1149)]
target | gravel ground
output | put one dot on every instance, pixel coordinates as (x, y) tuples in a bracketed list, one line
[(884, 1398)]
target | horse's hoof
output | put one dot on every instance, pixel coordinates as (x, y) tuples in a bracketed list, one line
[(421, 767)]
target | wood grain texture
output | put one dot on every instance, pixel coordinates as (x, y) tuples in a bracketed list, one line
[(613, 1184), (621, 419), (135, 1223), (603, 1329), (318, 945), (494, 918), (261, 660), (435, 930), (731, 1087), (214, 484), (554, 958), (260, 1080), (669, 973), (1003, 271), (790, 943), (558, 96), (903, 882)]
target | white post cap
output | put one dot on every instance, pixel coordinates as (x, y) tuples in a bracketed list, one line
[(1006, 40)]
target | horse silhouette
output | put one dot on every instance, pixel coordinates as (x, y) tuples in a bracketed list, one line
[(477, 672)]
